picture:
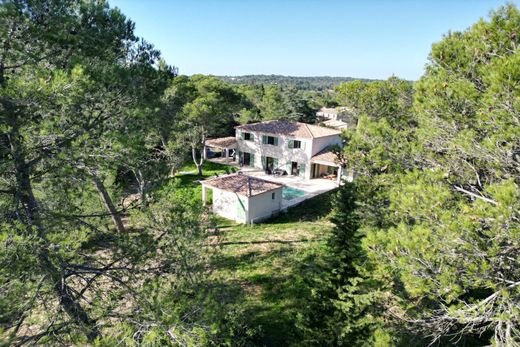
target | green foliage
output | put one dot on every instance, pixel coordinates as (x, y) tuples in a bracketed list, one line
[(273, 102), (437, 199), (390, 100), (314, 83)]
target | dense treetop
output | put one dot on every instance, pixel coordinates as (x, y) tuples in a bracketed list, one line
[(315, 83)]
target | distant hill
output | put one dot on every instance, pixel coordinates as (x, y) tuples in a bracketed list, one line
[(302, 83)]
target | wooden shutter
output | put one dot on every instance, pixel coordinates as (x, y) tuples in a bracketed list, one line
[(291, 143), (252, 160), (302, 144), (264, 162), (302, 170), (276, 141), (241, 135), (264, 139), (275, 163)]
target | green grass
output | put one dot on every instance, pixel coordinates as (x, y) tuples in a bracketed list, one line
[(265, 268)]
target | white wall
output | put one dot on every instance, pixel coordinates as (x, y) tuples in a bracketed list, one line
[(332, 116), (283, 153), (257, 207), (224, 203), (262, 206), (321, 143)]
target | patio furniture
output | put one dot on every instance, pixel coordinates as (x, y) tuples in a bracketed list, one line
[(279, 172)]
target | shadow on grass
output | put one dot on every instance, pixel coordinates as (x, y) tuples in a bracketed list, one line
[(234, 262), (273, 286), (280, 301), (266, 242)]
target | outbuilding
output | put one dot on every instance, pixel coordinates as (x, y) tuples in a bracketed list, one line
[(243, 198)]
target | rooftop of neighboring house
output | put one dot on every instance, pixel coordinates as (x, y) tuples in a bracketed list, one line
[(288, 128), (241, 184), (337, 124), (334, 110)]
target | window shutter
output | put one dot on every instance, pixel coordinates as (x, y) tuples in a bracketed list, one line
[(291, 143), (264, 162), (276, 141), (302, 144), (275, 163), (252, 136), (252, 160), (264, 139), (302, 170), (241, 135)]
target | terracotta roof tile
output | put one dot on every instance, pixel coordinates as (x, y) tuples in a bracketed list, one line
[(288, 128), (242, 184), (222, 142), (326, 155)]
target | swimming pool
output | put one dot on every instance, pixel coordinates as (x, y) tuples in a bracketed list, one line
[(289, 193)]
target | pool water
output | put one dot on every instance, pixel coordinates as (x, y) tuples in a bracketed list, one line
[(289, 193)]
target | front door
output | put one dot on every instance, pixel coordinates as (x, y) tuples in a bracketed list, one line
[(294, 169), (269, 163), (247, 159)]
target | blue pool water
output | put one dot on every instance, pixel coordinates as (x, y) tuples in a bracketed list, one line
[(289, 193)]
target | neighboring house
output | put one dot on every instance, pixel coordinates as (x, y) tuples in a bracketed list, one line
[(289, 146), (242, 198), (327, 113), (332, 113)]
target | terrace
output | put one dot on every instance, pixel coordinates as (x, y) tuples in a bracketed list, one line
[(310, 188)]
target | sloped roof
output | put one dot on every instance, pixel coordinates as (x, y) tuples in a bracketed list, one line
[(288, 128), (338, 124), (222, 142), (326, 156), (242, 184), (328, 110), (334, 110)]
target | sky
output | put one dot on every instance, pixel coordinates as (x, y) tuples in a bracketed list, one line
[(350, 38)]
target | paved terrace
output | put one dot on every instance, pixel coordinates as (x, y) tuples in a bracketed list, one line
[(313, 187)]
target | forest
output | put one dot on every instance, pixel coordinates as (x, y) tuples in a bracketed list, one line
[(313, 83), (104, 242)]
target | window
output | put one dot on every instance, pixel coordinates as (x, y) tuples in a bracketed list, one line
[(248, 137), (272, 196), (270, 140), (296, 144)]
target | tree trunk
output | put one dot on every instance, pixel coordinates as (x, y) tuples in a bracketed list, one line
[(109, 205), (141, 182), (198, 163), (173, 171), (31, 218)]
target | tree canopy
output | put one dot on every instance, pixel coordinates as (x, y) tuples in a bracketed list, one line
[(437, 199)]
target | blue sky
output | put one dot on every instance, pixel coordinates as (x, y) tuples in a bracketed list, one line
[(364, 39)]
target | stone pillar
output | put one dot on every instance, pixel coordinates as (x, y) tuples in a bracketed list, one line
[(203, 195)]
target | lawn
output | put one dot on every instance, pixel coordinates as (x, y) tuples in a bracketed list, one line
[(264, 268)]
